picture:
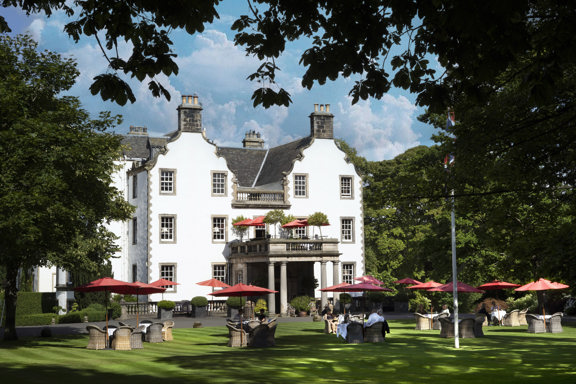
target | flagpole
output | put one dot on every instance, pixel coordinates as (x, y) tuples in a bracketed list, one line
[(454, 272)]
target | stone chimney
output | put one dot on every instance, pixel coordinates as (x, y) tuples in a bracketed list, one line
[(322, 122), (138, 131), (253, 140), (190, 115)]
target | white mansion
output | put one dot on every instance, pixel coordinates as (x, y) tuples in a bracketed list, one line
[(187, 191)]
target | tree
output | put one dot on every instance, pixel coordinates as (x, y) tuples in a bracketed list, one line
[(318, 219), (56, 171), (239, 230), (384, 43), (274, 217)]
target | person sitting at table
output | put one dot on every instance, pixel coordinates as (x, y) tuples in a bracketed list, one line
[(445, 310), (332, 321), (375, 317), (484, 311), (238, 315), (262, 316)]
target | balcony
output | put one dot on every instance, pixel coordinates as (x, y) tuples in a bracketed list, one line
[(258, 198), (270, 250)]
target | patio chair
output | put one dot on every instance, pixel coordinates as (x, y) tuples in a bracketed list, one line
[(511, 319), (271, 341), (436, 324), (167, 330), (154, 333), (258, 338), (554, 324), (136, 337), (235, 340), (522, 317), (422, 322), (479, 321), (121, 341), (373, 333), (355, 333), (466, 328), (251, 325), (535, 324), (97, 337), (447, 327)]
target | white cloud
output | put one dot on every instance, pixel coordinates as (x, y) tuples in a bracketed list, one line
[(36, 28)]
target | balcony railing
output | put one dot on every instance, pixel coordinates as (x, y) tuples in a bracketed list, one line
[(285, 247), (251, 197)]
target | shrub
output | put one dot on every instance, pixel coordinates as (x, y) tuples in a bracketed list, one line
[(345, 298), (530, 301), (301, 303), (199, 301), (376, 297), (419, 303), (94, 315), (166, 304), (96, 307), (72, 317), (235, 302), (115, 310), (35, 319), (260, 304), (30, 303)]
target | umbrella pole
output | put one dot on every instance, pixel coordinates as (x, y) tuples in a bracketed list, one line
[(107, 337)]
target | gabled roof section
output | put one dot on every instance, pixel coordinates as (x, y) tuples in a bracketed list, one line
[(244, 163), (280, 161), (135, 147)]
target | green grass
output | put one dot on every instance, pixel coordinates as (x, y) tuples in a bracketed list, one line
[(303, 354)]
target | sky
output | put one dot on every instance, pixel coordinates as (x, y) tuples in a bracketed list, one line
[(213, 68)]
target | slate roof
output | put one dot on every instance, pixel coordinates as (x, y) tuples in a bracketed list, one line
[(244, 163), (136, 147)]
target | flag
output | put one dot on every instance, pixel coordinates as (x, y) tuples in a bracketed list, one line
[(451, 120), (448, 160)]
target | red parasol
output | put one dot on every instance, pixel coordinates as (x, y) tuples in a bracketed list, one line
[(333, 288), (163, 283), (257, 222), (542, 285), (296, 224), (241, 290), (407, 281), (425, 286), (361, 287), (214, 283), (461, 287), (497, 284), (107, 284), (369, 279)]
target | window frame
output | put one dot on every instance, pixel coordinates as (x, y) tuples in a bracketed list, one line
[(223, 228), (351, 275), (224, 183), (170, 288), (352, 238), (134, 230), (160, 226), (215, 275), (172, 182), (349, 196), (135, 186), (297, 187)]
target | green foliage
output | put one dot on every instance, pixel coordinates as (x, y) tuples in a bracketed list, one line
[(301, 303), (30, 303), (318, 219), (115, 310), (35, 319), (377, 297), (236, 302), (166, 304), (419, 304), (528, 301), (239, 230), (260, 304), (273, 218), (345, 298), (73, 317), (199, 301)]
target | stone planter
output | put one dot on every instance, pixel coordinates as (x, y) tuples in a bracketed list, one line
[(165, 314), (199, 311), (302, 314)]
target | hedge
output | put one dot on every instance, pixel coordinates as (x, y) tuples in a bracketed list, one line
[(35, 319)]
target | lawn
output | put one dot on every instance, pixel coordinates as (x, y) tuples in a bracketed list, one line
[(303, 354)]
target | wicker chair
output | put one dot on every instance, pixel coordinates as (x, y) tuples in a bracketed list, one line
[(167, 330), (466, 328), (554, 324), (136, 337), (511, 319), (251, 325), (121, 341), (97, 337), (355, 333), (422, 322), (437, 325), (522, 317), (258, 338), (271, 333), (479, 321), (237, 337), (154, 333), (447, 327), (373, 333), (535, 324)]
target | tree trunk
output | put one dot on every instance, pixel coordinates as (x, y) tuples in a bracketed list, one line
[(10, 297)]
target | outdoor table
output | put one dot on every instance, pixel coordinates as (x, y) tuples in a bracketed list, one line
[(498, 314), (146, 325)]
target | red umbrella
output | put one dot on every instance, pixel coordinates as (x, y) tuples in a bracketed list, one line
[(461, 287), (163, 283), (497, 284), (214, 283), (296, 224), (333, 288), (106, 284), (407, 281), (369, 279), (257, 222), (361, 287), (425, 286), (241, 290), (541, 285)]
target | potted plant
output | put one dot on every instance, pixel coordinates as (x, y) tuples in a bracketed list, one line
[(199, 306), (239, 230), (274, 218), (346, 301), (165, 309), (301, 304), (318, 219)]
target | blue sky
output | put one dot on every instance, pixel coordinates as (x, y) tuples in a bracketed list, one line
[(216, 70)]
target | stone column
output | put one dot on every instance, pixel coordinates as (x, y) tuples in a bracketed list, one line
[(323, 294), (283, 289), (336, 280), (271, 296), (61, 289)]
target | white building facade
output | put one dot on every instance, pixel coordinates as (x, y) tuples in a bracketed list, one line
[(187, 191)]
